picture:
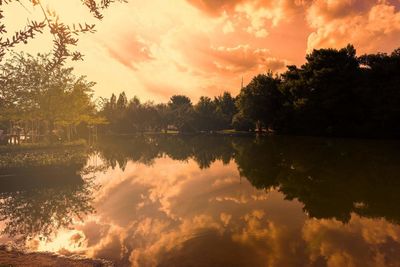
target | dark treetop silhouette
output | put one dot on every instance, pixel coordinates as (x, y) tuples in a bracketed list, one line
[(334, 93)]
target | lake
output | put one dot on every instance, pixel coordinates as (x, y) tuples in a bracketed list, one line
[(213, 201)]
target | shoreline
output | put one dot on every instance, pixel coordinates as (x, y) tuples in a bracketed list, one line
[(11, 256), (9, 148)]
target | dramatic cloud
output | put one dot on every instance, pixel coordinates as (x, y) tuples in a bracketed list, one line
[(154, 49), (215, 8), (370, 25), (255, 17), (130, 51), (242, 58), (231, 61)]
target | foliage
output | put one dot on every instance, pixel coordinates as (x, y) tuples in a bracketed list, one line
[(242, 123), (56, 156), (323, 93), (225, 109), (205, 114), (50, 100), (179, 113), (43, 145), (261, 101), (335, 93)]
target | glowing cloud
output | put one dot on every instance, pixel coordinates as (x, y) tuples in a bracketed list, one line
[(154, 49)]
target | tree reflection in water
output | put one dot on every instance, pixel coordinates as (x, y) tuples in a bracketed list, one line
[(332, 178), (35, 202), (171, 214), (144, 149)]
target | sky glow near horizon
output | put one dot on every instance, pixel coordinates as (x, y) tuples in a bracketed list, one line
[(154, 49)]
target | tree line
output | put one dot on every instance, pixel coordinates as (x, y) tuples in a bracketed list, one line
[(178, 114), (335, 93)]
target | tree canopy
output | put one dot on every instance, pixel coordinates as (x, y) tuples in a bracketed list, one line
[(334, 93), (33, 95)]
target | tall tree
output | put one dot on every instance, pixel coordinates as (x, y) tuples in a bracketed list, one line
[(380, 95), (322, 91), (261, 101), (122, 102), (181, 110), (205, 114), (226, 109)]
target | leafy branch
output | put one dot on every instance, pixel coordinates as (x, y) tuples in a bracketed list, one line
[(21, 36), (64, 35)]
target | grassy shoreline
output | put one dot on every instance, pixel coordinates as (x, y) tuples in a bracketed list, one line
[(43, 154), (40, 146), (176, 133), (234, 133)]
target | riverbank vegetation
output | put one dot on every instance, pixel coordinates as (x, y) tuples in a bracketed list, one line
[(37, 105), (31, 157), (56, 156), (335, 93)]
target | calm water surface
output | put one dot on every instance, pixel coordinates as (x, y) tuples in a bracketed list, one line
[(214, 201)]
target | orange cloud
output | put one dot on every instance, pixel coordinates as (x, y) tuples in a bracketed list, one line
[(255, 17), (130, 51), (215, 8), (195, 47), (370, 25), (200, 54), (243, 58)]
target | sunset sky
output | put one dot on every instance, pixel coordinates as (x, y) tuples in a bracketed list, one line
[(157, 48)]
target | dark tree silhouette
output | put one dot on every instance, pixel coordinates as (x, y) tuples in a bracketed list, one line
[(335, 93), (261, 101)]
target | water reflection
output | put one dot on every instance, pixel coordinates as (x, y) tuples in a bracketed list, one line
[(236, 201), (144, 149), (38, 201), (332, 178)]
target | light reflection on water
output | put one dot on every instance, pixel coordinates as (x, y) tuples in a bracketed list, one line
[(158, 208)]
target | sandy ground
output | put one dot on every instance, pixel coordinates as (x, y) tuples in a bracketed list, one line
[(12, 257)]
